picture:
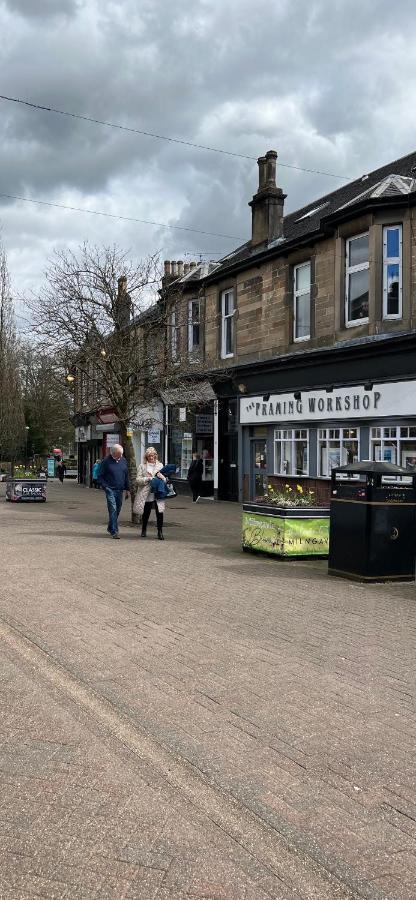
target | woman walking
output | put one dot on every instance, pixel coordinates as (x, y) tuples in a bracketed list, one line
[(145, 499)]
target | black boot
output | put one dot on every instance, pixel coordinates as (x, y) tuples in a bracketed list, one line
[(159, 520), (145, 518)]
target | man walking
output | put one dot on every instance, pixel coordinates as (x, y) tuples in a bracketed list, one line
[(114, 478)]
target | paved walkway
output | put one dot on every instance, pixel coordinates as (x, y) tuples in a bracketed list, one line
[(182, 720)]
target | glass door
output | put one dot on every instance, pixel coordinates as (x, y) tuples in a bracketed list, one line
[(258, 468)]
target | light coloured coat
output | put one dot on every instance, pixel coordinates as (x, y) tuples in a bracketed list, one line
[(144, 494)]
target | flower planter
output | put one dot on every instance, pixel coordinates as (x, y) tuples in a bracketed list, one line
[(26, 490), (286, 532)]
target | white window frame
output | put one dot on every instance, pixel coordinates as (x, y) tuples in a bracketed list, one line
[(402, 435), (287, 435), (341, 440), (227, 320), (173, 336), (299, 293), (193, 348), (349, 270), (395, 260)]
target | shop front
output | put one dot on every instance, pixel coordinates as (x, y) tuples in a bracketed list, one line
[(299, 437), (191, 429)]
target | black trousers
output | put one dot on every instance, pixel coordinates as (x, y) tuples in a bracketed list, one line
[(146, 515), (195, 486)]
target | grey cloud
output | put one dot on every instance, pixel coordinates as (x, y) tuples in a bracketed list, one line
[(312, 79)]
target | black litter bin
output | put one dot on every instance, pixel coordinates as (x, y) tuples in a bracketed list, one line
[(372, 534)]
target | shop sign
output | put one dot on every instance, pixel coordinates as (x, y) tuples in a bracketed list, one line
[(112, 439), (182, 413), (390, 399), (51, 467), (153, 436), (204, 424), (82, 434)]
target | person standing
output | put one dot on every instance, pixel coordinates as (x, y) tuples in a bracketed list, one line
[(114, 478), (145, 499), (194, 476), (61, 470), (95, 470)]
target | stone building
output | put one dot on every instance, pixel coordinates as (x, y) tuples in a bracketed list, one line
[(307, 334)]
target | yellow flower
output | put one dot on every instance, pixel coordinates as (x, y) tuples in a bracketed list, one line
[(299, 488)]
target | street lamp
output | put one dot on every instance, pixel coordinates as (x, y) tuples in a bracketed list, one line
[(26, 434)]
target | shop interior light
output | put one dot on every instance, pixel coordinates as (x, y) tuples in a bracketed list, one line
[(297, 395)]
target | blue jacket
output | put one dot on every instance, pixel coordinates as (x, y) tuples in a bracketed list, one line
[(158, 487), (114, 474)]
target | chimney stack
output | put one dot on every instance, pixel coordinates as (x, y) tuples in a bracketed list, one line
[(123, 307), (267, 204)]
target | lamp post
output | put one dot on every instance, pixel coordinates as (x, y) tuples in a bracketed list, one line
[(26, 434)]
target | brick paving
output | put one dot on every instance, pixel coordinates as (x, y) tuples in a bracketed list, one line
[(242, 727)]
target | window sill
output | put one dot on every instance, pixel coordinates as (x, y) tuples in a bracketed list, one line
[(356, 323), (301, 340)]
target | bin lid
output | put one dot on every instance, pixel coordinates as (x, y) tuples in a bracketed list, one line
[(379, 468)]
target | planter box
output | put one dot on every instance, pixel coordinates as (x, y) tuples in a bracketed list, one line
[(26, 490), (286, 533)]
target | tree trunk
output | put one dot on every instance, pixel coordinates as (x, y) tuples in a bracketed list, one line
[(131, 465)]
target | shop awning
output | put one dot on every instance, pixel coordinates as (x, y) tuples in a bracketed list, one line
[(194, 393)]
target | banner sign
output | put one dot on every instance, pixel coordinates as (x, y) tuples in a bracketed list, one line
[(285, 536), (153, 436), (390, 399)]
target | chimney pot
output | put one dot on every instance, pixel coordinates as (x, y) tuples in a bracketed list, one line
[(174, 267), (193, 264), (167, 266), (261, 162), (186, 268), (271, 157), (180, 267)]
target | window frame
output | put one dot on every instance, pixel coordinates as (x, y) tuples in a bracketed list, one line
[(192, 347), (341, 440), (296, 295), (225, 319), (173, 336), (392, 260), (401, 436), (350, 270), (282, 439)]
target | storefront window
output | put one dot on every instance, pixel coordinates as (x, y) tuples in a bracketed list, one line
[(394, 444), (291, 456), (337, 447), (191, 430)]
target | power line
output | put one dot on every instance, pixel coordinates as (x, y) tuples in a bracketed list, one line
[(95, 212), (159, 137)]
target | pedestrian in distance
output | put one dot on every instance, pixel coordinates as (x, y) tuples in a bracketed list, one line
[(145, 499), (114, 478), (95, 472), (194, 476), (61, 471)]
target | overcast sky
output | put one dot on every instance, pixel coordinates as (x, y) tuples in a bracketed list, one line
[(329, 84)]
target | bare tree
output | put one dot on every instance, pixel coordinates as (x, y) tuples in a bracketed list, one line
[(47, 401), (12, 426), (100, 313)]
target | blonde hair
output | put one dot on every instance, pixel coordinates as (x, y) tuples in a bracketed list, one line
[(150, 450)]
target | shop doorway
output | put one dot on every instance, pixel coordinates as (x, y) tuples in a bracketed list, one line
[(258, 468), (228, 451)]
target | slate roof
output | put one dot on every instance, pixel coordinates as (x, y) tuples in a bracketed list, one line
[(397, 178)]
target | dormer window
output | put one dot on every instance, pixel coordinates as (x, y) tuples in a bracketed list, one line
[(356, 280), (392, 272)]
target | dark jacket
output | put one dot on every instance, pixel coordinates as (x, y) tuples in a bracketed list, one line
[(114, 474), (195, 470), (158, 487)]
